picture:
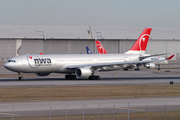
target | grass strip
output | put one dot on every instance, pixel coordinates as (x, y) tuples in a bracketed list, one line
[(87, 92)]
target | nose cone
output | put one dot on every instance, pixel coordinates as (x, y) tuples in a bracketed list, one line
[(10, 66), (7, 65)]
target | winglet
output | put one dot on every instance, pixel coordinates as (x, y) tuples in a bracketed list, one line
[(101, 49), (140, 45), (169, 58), (88, 50)]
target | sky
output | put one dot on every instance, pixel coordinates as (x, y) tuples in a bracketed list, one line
[(121, 13)]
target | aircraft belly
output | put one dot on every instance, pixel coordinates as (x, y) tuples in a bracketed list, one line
[(39, 69), (66, 71)]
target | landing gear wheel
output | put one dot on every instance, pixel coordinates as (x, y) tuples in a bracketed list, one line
[(125, 69), (159, 67), (94, 77), (171, 82), (73, 77), (97, 77), (137, 69), (21, 78), (90, 77), (70, 77), (66, 77)]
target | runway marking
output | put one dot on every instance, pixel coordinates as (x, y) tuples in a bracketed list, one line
[(130, 109), (115, 74), (8, 114)]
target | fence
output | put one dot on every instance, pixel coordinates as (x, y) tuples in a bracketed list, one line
[(99, 112)]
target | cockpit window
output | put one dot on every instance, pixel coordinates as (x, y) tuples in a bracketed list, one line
[(11, 61)]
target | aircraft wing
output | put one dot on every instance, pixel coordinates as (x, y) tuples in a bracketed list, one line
[(99, 65)]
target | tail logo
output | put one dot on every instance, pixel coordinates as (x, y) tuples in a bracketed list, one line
[(143, 42), (101, 48)]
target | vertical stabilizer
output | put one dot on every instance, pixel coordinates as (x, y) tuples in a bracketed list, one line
[(140, 45), (100, 48), (88, 50)]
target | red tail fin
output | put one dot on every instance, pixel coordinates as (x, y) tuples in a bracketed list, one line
[(100, 48), (169, 58), (139, 46)]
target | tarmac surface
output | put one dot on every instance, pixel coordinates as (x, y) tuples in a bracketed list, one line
[(170, 72), (131, 77)]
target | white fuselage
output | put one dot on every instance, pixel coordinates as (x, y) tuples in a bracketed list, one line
[(56, 63)]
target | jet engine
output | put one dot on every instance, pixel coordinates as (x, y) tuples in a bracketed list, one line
[(42, 74), (150, 65), (83, 72)]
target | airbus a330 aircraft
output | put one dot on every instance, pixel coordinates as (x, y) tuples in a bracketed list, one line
[(102, 50), (81, 65)]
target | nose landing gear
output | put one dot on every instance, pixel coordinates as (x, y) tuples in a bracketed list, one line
[(20, 76)]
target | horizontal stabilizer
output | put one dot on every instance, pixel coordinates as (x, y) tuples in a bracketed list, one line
[(169, 58)]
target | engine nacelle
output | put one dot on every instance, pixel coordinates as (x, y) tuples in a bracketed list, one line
[(150, 65), (83, 72), (42, 74)]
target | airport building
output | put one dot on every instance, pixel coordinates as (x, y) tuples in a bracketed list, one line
[(30, 39)]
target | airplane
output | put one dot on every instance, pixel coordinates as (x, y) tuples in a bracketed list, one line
[(81, 65), (101, 50), (160, 58)]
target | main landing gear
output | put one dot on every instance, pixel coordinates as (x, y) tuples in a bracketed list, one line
[(125, 69), (73, 77), (94, 77), (70, 77), (20, 76), (159, 67), (137, 69)]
